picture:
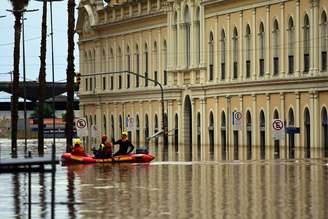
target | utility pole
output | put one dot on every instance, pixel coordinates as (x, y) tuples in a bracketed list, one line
[(24, 79)]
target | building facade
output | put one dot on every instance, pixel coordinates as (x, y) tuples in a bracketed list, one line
[(263, 60)]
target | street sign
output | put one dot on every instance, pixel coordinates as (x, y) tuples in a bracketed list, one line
[(81, 127), (237, 121), (293, 130), (129, 123), (278, 129)]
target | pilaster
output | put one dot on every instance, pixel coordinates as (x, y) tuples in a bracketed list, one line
[(267, 43), (282, 40)]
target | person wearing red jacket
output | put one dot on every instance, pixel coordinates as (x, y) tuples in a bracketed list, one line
[(77, 148)]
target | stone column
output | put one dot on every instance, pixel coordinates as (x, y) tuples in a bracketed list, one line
[(282, 40), (268, 139), (192, 36), (202, 34), (298, 43), (255, 128), (179, 44), (194, 129), (229, 53), (297, 124), (170, 117), (99, 120), (142, 122), (107, 120), (203, 128), (241, 52), (267, 43), (242, 151), (315, 124), (283, 145), (217, 149), (315, 38), (254, 62)]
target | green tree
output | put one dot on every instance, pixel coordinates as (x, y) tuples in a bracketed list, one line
[(18, 10)]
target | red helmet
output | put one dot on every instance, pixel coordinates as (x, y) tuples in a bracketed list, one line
[(104, 138)]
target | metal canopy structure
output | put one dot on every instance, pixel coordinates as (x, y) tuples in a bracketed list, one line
[(32, 89)]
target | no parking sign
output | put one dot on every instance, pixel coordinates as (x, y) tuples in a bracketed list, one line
[(278, 129), (237, 121), (81, 127)]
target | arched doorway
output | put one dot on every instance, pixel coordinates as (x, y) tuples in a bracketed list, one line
[(105, 125), (223, 136), (262, 135), (324, 122), (156, 130), (137, 131), (188, 126), (176, 133), (276, 142), (120, 124), (249, 135), (235, 144), (198, 137), (146, 130), (291, 136), (112, 126), (307, 131), (211, 135)]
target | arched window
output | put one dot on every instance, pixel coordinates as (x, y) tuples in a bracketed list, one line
[(223, 54), (276, 142), (307, 133), (187, 35), (155, 62), (105, 124), (235, 53), (211, 134), (146, 64), (198, 136), (197, 35), (128, 66), (248, 51), (137, 60), (291, 136), (120, 123), (119, 66), (249, 135), (137, 131), (291, 42), (146, 129), (112, 126), (111, 60), (176, 132), (211, 56), (165, 62), (324, 131), (306, 42), (275, 38), (223, 136), (324, 38), (156, 130), (262, 135), (261, 50), (103, 60)]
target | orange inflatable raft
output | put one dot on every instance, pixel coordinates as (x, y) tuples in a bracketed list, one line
[(69, 158)]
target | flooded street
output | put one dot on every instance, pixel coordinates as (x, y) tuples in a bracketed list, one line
[(172, 189)]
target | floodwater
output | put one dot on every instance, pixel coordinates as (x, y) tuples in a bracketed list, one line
[(171, 189)]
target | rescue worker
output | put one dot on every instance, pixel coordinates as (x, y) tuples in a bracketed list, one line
[(77, 148), (126, 146), (105, 149)]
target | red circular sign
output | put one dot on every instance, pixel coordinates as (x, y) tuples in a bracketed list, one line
[(277, 125)]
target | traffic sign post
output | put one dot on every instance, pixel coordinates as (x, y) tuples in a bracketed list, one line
[(81, 127), (278, 129), (237, 121)]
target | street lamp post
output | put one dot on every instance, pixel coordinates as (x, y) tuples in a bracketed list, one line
[(164, 125), (24, 78)]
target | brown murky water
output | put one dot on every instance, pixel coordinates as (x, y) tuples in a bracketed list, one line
[(173, 189)]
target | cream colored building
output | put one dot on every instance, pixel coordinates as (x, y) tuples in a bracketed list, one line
[(263, 59)]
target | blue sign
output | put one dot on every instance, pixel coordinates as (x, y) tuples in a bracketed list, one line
[(292, 130)]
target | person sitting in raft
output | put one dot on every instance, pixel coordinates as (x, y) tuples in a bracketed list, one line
[(126, 146), (77, 148), (105, 149)]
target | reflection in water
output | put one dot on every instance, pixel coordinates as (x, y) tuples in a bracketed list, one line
[(174, 189)]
